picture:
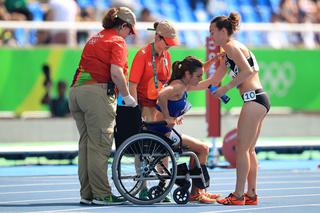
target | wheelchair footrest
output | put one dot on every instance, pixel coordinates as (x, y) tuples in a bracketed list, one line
[(182, 170), (198, 181)]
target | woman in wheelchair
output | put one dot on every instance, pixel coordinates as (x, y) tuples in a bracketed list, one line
[(172, 104), (148, 157)]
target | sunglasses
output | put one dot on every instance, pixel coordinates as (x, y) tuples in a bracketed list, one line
[(130, 27), (162, 38)]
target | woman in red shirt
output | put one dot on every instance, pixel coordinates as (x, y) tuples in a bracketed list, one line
[(92, 102)]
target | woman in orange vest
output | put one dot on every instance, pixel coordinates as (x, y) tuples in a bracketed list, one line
[(150, 68)]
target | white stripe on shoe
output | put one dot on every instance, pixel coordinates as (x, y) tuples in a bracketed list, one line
[(85, 202)]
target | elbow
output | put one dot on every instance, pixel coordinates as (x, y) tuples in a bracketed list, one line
[(115, 77), (250, 73)]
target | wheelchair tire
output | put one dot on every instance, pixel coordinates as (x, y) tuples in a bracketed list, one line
[(154, 192), (181, 195), (151, 150)]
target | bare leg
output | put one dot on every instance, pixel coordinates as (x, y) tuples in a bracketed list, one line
[(202, 151), (248, 126), (253, 170)]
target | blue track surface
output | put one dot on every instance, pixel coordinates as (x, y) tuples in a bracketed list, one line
[(283, 186)]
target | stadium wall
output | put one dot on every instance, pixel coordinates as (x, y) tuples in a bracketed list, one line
[(289, 76)]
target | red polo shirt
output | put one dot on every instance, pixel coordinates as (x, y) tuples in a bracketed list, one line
[(142, 74), (102, 50)]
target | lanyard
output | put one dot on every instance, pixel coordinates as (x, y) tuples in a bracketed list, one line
[(154, 66)]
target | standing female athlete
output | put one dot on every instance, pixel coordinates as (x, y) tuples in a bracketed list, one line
[(244, 71)]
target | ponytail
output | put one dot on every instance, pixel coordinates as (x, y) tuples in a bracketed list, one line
[(231, 23), (179, 68), (111, 19)]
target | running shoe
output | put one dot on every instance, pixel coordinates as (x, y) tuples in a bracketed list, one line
[(212, 196), (232, 200), (201, 198), (109, 200), (251, 200), (143, 194)]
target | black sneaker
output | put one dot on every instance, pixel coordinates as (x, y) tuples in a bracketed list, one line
[(109, 200)]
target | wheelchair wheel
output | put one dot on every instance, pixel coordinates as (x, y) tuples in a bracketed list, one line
[(154, 192), (140, 163), (181, 195)]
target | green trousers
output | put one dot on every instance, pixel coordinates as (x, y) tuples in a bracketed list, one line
[(94, 112)]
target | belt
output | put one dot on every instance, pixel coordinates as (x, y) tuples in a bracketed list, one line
[(91, 81)]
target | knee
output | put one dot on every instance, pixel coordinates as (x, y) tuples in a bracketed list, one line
[(204, 149), (252, 151), (241, 148)]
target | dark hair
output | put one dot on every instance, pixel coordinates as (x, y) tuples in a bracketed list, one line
[(155, 25), (231, 23), (179, 68), (111, 20)]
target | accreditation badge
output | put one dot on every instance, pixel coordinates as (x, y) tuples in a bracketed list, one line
[(152, 91)]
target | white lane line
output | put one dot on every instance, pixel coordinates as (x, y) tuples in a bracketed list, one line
[(270, 177), (217, 191), (61, 178), (46, 191), (77, 209), (266, 207), (212, 176), (261, 172), (41, 177), (273, 189), (292, 173), (284, 196), (39, 184), (55, 199), (275, 182), (39, 200), (219, 184)]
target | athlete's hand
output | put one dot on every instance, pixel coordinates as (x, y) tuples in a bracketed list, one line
[(170, 121), (219, 56), (220, 91), (179, 120), (129, 101)]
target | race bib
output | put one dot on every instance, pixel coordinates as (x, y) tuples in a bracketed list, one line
[(249, 96), (174, 138)]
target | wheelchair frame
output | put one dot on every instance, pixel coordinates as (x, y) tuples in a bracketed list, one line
[(151, 149)]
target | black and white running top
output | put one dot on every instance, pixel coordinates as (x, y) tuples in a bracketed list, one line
[(234, 70)]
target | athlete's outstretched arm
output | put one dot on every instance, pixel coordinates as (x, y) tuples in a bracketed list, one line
[(215, 79), (208, 63)]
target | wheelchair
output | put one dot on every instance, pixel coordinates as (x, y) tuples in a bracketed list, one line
[(148, 160)]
